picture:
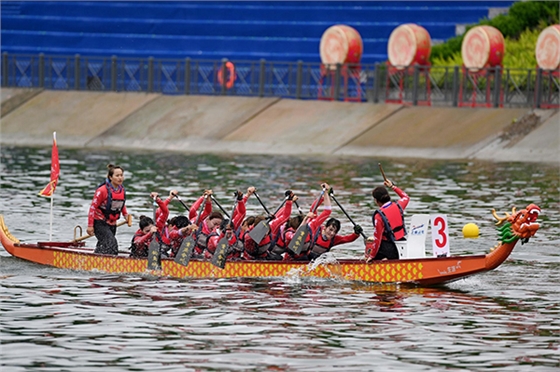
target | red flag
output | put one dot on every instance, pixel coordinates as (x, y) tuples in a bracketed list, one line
[(55, 171)]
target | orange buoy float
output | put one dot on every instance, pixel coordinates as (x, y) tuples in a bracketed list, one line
[(340, 44), (483, 46), (230, 73), (547, 50), (409, 44)]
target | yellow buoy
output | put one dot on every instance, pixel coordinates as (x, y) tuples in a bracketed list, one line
[(470, 230)]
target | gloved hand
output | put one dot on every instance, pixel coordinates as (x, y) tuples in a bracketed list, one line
[(224, 225), (238, 194), (358, 229)]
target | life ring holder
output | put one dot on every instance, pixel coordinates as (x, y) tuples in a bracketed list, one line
[(230, 67)]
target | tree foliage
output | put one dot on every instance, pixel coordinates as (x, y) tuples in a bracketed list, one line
[(520, 27)]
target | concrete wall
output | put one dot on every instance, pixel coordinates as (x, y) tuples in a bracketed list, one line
[(271, 126)]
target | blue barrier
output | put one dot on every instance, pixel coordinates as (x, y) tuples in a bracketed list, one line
[(273, 30), (335, 11)]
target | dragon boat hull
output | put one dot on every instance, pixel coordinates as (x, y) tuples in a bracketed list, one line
[(420, 271)]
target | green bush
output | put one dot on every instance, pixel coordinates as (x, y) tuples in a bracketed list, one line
[(522, 16)]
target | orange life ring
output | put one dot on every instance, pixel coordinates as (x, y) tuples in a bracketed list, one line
[(231, 78)]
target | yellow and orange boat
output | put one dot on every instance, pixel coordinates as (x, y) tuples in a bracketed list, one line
[(519, 225)]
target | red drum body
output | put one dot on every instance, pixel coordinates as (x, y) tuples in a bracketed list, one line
[(483, 46), (547, 50), (409, 44), (340, 44)]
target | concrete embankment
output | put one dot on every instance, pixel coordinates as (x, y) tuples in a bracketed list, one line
[(247, 125)]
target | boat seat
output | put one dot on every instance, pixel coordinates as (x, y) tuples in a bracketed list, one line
[(415, 245)]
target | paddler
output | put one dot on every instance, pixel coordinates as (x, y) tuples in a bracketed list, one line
[(388, 223)]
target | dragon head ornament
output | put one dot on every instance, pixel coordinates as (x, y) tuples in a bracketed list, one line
[(520, 224)]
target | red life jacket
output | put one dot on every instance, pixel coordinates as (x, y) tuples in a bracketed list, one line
[(114, 204), (392, 215), (260, 250)]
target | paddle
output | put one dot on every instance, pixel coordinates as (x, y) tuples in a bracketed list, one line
[(154, 253), (260, 201), (181, 201), (187, 246), (298, 208), (343, 211), (259, 232), (220, 206), (220, 255), (154, 207), (382, 173), (84, 237), (300, 236)]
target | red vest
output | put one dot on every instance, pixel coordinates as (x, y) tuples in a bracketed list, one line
[(393, 219), (114, 203)]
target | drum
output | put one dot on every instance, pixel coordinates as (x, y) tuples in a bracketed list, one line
[(409, 44), (340, 44), (547, 50), (483, 46)]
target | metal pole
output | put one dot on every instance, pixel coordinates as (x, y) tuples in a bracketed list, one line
[(528, 90), (262, 78), (150, 74), (5, 69), (187, 76), (336, 82), (538, 88), (224, 77), (77, 72), (114, 73), (299, 78), (497, 86), (376, 83), (41, 70), (415, 86), (455, 88)]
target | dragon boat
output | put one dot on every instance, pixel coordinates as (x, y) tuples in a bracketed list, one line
[(424, 271)]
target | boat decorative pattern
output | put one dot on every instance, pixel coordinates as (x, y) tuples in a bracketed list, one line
[(386, 272)]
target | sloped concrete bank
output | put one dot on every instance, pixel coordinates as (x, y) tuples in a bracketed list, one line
[(247, 125)]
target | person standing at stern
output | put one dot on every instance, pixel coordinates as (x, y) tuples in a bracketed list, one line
[(106, 207)]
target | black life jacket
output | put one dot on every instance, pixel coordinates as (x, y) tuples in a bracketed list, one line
[(113, 205), (278, 244), (201, 239), (320, 246), (238, 246), (138, 252), (393, 220), (135, 251)]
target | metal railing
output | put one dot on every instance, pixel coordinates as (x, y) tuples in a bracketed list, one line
[(416, 85)]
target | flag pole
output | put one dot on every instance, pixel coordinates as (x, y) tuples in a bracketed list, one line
[(48, 191), (52, 194), (51, 219)]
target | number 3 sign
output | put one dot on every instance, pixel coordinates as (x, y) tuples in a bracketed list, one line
[(440, 236)]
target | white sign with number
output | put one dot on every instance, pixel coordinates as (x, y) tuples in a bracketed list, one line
[(440, 236)]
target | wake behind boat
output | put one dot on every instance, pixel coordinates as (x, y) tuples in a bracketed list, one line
[(519, 225)]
